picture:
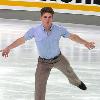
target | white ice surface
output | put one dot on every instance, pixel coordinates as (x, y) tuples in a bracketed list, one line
[(18, 70)]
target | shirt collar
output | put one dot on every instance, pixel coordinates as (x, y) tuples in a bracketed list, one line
[(44, 28)]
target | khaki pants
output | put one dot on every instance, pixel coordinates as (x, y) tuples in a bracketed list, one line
[(43, 71)]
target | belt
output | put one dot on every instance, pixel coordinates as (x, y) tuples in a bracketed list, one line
[(51, 59)]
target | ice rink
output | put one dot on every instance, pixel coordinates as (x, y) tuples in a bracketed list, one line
[(18, 70)]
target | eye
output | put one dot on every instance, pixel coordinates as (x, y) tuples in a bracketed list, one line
[(50, 17), (45, 16)]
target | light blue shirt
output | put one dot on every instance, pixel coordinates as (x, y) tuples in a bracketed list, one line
[(47, 42)]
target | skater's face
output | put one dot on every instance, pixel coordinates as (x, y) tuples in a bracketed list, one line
[(46, 19)]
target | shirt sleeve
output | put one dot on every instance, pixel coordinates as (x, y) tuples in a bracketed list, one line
[(64, 32), (29, 34)]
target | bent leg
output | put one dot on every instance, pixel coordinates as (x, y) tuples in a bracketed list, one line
[(64, 66)]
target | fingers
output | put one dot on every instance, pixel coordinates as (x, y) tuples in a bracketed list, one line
[(4, 54), (91, 45)]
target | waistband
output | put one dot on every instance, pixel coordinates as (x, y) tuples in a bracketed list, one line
[(52, 60)]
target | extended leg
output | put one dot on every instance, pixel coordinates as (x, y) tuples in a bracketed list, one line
[(64, 66)]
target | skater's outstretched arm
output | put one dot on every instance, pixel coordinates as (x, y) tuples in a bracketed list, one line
[(76, 38), (15, 44)]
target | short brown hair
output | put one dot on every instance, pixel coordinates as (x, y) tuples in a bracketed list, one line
[(46, 10)]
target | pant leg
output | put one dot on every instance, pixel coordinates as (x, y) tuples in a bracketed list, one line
[(41, 77), (64, 66)]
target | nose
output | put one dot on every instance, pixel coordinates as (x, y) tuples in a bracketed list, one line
[(47, 19)]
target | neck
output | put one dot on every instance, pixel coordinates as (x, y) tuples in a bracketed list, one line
[(47, 28)]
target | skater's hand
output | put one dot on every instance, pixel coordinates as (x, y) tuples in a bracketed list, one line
[(5, 52), (90, 45)]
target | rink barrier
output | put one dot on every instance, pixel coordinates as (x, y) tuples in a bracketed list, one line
[(65, 6), (20, 11), (58, 17)]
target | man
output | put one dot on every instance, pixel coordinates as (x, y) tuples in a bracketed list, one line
[(47, 36)]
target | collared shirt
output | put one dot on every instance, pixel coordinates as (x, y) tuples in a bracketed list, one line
[(47, 42)]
